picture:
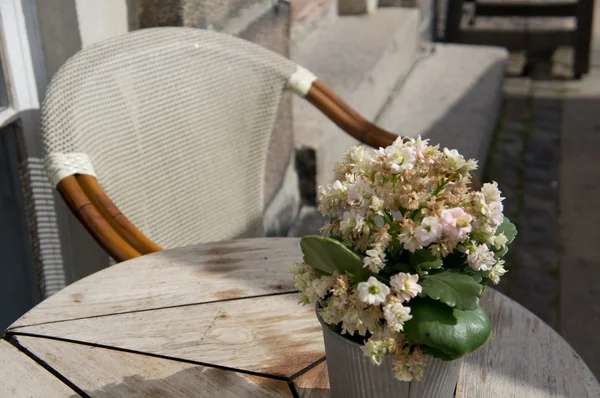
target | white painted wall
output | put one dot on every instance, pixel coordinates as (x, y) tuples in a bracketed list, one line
[(101, 19)]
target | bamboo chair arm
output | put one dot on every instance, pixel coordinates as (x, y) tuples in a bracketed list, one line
[(79, 203), (336, 109), (113, 215), (342, 114)]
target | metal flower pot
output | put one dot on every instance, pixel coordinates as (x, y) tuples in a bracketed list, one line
[(353, 375)]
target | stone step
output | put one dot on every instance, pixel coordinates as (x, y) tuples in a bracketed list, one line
[(362, 58), (308, 16), (453, 97)]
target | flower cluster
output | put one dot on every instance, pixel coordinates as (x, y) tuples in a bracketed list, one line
[(408, 215)]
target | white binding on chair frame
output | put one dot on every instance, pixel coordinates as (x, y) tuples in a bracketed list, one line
[(61, 165), (301, 81)]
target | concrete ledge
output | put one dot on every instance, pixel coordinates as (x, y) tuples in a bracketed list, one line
[(453, 97), (356, 7), (362, 59), (309, 16)]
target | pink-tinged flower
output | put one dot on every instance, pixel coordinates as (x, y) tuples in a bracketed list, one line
[(420, 147), (430, 230), (409, 241), (456, 223)]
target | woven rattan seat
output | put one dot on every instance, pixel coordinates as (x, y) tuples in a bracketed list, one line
[(159, 138)]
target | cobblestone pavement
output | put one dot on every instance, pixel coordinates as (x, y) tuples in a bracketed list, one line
[(543, 157), (524, 160)]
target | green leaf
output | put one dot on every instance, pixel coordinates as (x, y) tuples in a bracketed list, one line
[(423, 260), (329, 255), (501, 253), (508, 229), (479, 276), (450, 333), (452, 288), (398, 267), (426, 266), (434, 352)]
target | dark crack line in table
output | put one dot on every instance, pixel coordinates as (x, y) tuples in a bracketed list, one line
[(306, 369), (127, 350), (293, 389), (153, 309), (48, 368)]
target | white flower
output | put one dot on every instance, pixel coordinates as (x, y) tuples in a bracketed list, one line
[(304, 275), (405, 285), (376, 205), (500, 241), (396, 315), (352, 222), (375, 260), (497, 271), (454, 159), (402, 372), (456, 223), (322, 285), (429, 230), (360, 159), (362, 321), (372, 291), (409, 366), (357, 154), (491, 193), (495, 215), (359, 193), (331, 198), (398, 159), (376, 350), (420, 146), (409, 241), (480, 258), (330, 313)]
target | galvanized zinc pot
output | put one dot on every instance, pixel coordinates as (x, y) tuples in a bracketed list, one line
[(353, 375)]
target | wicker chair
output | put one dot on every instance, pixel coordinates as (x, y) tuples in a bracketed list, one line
[(170, 127)]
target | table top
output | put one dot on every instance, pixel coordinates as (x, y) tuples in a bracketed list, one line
[(222, 319)]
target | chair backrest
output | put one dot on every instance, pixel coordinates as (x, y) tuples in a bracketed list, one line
[(176, 124)]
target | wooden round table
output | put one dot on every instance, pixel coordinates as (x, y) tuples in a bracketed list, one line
[(222, 319)]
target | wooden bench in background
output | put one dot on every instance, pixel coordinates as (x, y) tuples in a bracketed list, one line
[(528, 40)]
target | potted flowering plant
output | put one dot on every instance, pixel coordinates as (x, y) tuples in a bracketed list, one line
[(400, 267)]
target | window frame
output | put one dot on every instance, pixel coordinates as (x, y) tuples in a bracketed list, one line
[(17, 65)]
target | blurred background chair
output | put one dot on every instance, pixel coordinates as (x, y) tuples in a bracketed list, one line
[(530, 40), (158, 138)]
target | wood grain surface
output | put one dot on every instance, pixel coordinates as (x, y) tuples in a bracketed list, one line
[(194, 274), (228, 310), (21, 376), (526, 358), (122, 374), (269, 335)]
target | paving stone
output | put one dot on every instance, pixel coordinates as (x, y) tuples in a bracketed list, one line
[(539, 257), (524, 161)]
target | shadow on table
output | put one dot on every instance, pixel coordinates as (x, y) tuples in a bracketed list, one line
[(195, 381)]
